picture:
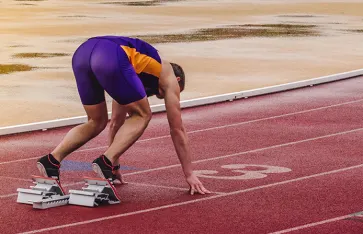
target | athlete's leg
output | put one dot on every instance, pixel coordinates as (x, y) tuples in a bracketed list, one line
[(93, 99), (131, 130), (118, 117), (121, 82), (81, 134)]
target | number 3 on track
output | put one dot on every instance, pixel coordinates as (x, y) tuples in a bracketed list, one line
[(242, 170)]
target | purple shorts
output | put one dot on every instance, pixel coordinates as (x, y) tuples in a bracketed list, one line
[(102, 65)]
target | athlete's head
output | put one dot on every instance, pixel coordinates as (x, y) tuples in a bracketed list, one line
[(180, 75)]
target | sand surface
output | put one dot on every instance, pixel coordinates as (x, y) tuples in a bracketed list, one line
[(213, 67)]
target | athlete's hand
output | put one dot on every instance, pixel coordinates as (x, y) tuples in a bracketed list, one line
[(195, 185), (120, 178)]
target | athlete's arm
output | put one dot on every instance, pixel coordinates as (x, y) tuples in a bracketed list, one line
[(178, 133)]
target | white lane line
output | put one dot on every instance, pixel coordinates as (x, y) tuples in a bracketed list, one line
[(247, 152), (15, 178), (167, 187), (203, 130), (193, 201), (312, 224), (19, 160), (8, 195), (157, 186), (235, 154)]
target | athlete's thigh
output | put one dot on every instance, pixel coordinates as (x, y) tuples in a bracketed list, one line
[(116, 74), (89, 89)]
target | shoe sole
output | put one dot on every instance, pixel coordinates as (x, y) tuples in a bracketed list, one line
[(42, 170), (97, 170)]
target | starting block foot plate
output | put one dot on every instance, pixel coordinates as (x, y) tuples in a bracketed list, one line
[(97, 191)]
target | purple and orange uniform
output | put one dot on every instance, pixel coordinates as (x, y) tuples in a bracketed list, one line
[(128, 69)]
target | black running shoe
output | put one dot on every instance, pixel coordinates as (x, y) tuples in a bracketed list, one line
[(49, 166), (103, 167)]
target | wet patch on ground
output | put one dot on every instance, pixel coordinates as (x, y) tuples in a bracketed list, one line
[(140, 3), (29, 0), (354, 30), (18, 46), (10, 68), (226, 32), (299, 16), (235, 31), (39, 55), (81, 16)]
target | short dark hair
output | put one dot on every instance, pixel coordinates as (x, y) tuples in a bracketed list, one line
[(178, 71)]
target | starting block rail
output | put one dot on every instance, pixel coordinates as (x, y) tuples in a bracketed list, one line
[(48, 193)]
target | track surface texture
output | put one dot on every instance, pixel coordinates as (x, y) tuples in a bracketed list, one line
[(289, 162)]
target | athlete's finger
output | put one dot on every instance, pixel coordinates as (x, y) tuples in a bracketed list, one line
[(200, 190), (205, 190), (192, 190), (123, 181)]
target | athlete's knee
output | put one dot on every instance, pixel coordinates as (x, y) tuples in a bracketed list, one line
[(98, 125), (148, 117), (116, 122), (144, 113)]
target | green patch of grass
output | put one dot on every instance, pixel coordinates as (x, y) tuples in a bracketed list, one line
[(39, 55), (9, 68), (141, 3), (235, 31)]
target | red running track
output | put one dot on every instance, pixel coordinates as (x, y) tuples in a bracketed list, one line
[(288, 162)]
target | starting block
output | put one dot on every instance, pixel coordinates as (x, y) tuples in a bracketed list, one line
[(98, 191), (46, 193)]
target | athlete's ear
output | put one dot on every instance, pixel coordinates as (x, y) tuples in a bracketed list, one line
[(178, 78)]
